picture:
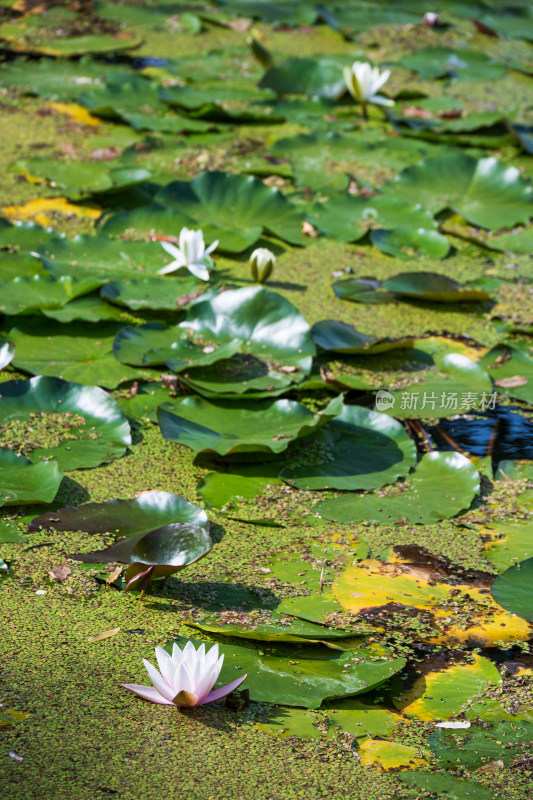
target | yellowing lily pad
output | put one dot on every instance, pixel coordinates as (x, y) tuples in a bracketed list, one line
[(390, 755), (443, 694)]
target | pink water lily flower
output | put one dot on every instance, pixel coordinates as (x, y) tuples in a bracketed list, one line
[(191, 254), (186, 677)]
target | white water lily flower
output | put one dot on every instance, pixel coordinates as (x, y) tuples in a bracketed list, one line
[(191, 254), (262, 263), (186, 677), (453, 725), (364, 82)]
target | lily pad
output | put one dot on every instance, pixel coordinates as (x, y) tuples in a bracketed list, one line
[(153, 293), (339, 337), (444, 693), (485, 192), (443, 485), (285, 722), (466, 65), (507, 543), (411, 243), (23, 295), (511, 368), (430, 286), (270, 338), (365, 450), (25, 483), (473, 748), (316, 77), (278, 628), (79, 178), (233, 208), (513, 589), (241, 426), (442, 784), (154, 343), (310, 676), (92, 428), (73, 352)]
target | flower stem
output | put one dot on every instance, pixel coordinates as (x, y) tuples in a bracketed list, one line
[(364, 110)]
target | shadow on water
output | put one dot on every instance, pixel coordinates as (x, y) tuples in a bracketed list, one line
[(212, 596), (501, 433)]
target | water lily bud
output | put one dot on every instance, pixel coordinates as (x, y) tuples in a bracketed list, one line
[(261, 264), (431, 19)]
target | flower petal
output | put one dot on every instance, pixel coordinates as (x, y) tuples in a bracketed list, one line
[(166, 665), (171, 249), (211, 247), (379, 100), (222, 691), (172, 267), (148, 693), (158, 681), (199, 270)]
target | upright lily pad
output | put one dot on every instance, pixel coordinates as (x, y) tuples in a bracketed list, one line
[(513, 589), (442, 485), (24, 483), (364, 451), (241, 427), (310, 676), (485, 192), (134, 517), (92, 428)]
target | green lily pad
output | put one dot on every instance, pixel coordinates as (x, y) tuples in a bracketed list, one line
[(24, 483), (272, 339), (10, 532), (411, 243), (154, 343), (348, 219), (358, 719), (56, 79), (442, 784), (466, 65), (236, 483), (285, 722), (43, 35), (485, 192), (307, 678), (365, 450), (89, 309), (443, 485), (232, 208), (90, 429), (507, 543), (154, 293), (511, 368), (24, 294), (142, 405), (452, 384), (513, 589), (475, 747), (79, 178), (241, 426), (279, 628), (316, 77), (334, 336), (130, 518), (74, 352)]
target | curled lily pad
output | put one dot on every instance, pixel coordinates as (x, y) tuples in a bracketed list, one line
[(134, 517), (513, 589), (79, 426), (363, 450), (277, 675), (442, 485), (466, 65), (340, 337), (431, 286), (232, 208), (485, 192), (241, 426), (23, 482), (277, 628)]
